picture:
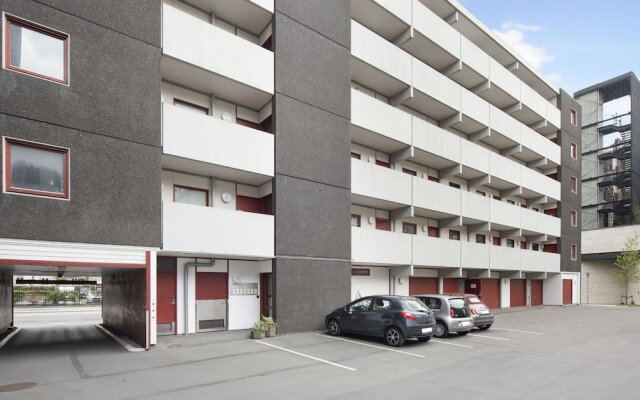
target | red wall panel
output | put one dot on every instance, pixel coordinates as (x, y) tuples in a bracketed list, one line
[(211, 285), (423, 286)]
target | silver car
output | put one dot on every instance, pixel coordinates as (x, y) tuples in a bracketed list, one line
[(452, 314)]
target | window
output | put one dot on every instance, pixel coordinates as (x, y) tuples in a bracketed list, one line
[(433, 231), (35, 50), (535, 246), (383, 224), (362, 305), (409, 228), (574, 151), (497, 197), (574, 218), (360, 272), (409, 171), (383, 163), (496, 241), (523, 244), (433, 178), (381, 304), (535, 209), (574, 252), (355, 155), (36, 169), (355, 220), (454, 235), (574, 117), (454, 185), (190, 106), (481, 238), (574, 184), (511, 202), (481, 193), (431, 302), (511, 243), (189, 195)]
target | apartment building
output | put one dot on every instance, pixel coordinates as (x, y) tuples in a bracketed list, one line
[(300, 154)]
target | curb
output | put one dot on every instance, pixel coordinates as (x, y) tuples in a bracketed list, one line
[(124, 343), (9, 337)]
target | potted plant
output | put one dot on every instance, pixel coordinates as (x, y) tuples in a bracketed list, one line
[(270, 325), (259, 330)]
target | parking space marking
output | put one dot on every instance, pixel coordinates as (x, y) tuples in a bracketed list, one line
[(451, 344), (488, 337), (515, 330), (372, 345), (307, 356)]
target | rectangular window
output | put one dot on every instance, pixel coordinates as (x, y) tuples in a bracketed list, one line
[(37, 169), (574, 151), (574, 218), (383, 164), (535, 209), (433, 178), (355, 220), (481, 238), (409, 228), (523, 205), (523, 245), (574, 184), (36, 50), (481, 193), (360, 272), (383, 224), (511, 243), (454, 185), (574, 252), (496, 241), (574, 117), (190, 195), (190, 106), (433, 231), (497, 197), (409, 171), (511, 202), (355, 155), (535, 246), (454, 235)]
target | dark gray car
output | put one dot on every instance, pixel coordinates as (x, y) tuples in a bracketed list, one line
[(452, 313)]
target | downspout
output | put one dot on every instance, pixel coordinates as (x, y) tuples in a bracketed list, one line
[(195, 263)]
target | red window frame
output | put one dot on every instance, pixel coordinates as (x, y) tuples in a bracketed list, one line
[(523, 244), (574, 184), (454, 185), (9, 21), (190, 104), (574, 151), (409, 171), (7, 169), (574, 117), (190, 188), (574, 251), (574, 218)]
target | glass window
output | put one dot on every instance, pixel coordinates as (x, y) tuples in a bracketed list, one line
[(574, 218), (381, 304), (36, 50), (362, 305), (481, 193), (413, 305), (496, 241), (574, 252), (481, 238), (454, 185), (574, 117), (574, 151), (190, 106), (355, 220), (431, 302), (454, 235), (409, 228), (574, 184), (535, 246), (510, 243), (37, 169), (433, 231), (409, 171), (186, 195), (355, 156)]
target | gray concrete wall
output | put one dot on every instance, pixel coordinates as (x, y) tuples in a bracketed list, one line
[(312, 197), (108, 116), (124, 303), (6, 301), (600, 287)]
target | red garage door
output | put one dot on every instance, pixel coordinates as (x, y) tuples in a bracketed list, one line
[(450, 285), (423, 286), (518, 292), (567, 291), (536, 292), (490, 292)]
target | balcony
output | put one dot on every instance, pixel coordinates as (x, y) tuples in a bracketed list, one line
[(200, 55), (379, 187), (505, 258), (208, 146), (474, 68), (552, 225), (504, 216), (552, 262), (433, 146), (435, 200), (475, 160), (475, 113), (533, 261), (434, 94), (388, 19), (251, 15), (475, 255), (475, 208), (378, 64), (505, 173), (533, 223), (435, 252), (207, 231), (504, 88), (534, 183), (377, 124), (376, 247)]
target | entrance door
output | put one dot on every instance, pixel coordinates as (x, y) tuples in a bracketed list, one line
[(211, 301), (567, 291), (166, 302), (266, 291), (536, 292)]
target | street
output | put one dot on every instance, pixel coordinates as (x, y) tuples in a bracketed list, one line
[(26, 317)]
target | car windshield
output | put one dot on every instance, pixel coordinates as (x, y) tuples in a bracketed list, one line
[(413, 305), (474, 300), (456, 303)]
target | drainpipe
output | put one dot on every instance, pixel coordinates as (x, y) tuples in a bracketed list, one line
[(187, 265)]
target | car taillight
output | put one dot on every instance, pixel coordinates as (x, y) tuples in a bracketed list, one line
[(474, 312), (453, 314), (407, 315)]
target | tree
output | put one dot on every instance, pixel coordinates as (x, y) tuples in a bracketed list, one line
[(626, 265)]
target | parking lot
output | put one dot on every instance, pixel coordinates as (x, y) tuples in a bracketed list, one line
[(583, 352)]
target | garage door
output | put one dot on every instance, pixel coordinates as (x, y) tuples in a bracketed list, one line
[(490, 292), (567, 291), (536, 292), (450, 285), (423, 286), (518, 297)]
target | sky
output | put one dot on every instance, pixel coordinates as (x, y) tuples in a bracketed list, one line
[(574, 43)]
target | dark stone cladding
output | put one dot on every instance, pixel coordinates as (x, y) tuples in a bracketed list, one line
[(312, 196), (569, 167), (108, 116)]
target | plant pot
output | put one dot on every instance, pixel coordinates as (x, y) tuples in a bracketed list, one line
[(257, 334), (271, 332)]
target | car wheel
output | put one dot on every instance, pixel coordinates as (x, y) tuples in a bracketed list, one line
[(334, 328), (394, 337), (484, 327), (441, 330), (462, 333), (424, 339)]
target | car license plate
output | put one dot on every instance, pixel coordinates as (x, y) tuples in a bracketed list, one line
[(484, 312), (465, 323), (426, 330)]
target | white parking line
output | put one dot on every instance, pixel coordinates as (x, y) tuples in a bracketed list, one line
[(371, 345), (451, 344), (514, 330), (307, 356), (488, 337)]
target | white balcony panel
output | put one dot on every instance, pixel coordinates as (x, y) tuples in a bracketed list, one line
[(251, 15), (533, 261), (438, 97), (475, 59), (533, 100), (435, 200), (209, 146), (506, 126), (553, 115), (507, 85), (213, 231), (553, 225), (378, 64), (533, 181), (553, 152), (505, 169), (388, 18), (476, 108), (532, 221), (444, 146), (553, 262), (376, 247), (475, 157), (553, 189), (198, 54), (475, 255), (376, 186), (505, 258), (504, 215), (534, 141), (436, 42), (377, 124), (474, 207), (435, 252)]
